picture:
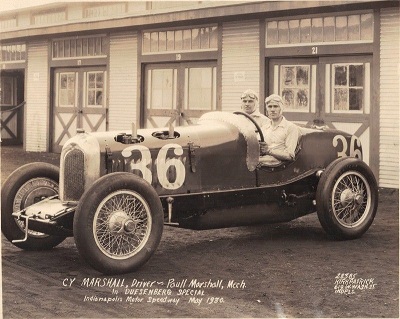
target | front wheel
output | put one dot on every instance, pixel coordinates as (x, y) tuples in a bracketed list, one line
[(347, 198), (118, 223), (25, 186)]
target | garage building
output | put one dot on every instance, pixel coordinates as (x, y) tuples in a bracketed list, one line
[(106, 65)]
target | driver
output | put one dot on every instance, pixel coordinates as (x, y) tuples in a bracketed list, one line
[(281, 136), (250, 106)]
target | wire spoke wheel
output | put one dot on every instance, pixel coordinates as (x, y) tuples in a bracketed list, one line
[(118, 223), (26, 186), (347, 198), (122, 224), (30, 193), (351, 199)]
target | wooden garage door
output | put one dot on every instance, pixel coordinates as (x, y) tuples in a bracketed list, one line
[(79, 102), (178, 93)]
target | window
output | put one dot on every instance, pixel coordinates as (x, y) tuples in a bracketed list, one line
[(96, 46), (162, 89), (346, 28), (348, 87), (95, 88), (295, 87), (13, 53), (193, 39), (66, 91), (8, 90), (200, 84)]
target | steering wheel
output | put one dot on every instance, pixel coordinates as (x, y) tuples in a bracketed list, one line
[(252, 121)]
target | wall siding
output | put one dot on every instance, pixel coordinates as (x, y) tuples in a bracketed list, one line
[(389, 98), (123, 75), (240, 61), (37, 98)]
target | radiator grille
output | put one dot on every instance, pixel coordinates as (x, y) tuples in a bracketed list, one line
[(74, 175)]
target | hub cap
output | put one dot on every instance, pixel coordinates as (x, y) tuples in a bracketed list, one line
[(122, 224)]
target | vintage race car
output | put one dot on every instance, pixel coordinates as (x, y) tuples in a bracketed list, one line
[(114, 191)]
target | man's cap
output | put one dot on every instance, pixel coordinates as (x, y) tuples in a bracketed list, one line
[(274, 99), (249, 94)]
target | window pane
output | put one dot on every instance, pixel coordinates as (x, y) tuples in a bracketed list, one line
[(354, 27), (340, 99), (154, 42), (99, 98), (367, 26), (302, 75), (316, 31), (214, 38), (98, 50), (23, 52), (289, 75), (272, 32), (294, 31), (356, 99), (84, 47), (67, 48), (356, 75), (99, 80), (195, 39), (7, 91), (73, 48), (91, 46), (91, 98), (170, 40), (91, 80), (305, 30), (178, 39), (288, 98), (283, 27), (329, 29), (341, 29), (146, 42), (161, 89), (302, 99), (66, 89), (340, 75), (79, 47), (200, 89), (204, 38), (187, 39), (71, 82), (162, 41), (61, 49), (55, 50)]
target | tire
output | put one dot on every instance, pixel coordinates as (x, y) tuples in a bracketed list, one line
[(25, 186), (118, 223), (347, 198)]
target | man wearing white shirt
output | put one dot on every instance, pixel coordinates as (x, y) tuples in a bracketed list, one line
[(281, 136)]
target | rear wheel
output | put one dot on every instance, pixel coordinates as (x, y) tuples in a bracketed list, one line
[(347, 198), (118, 223), (25, 186)]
